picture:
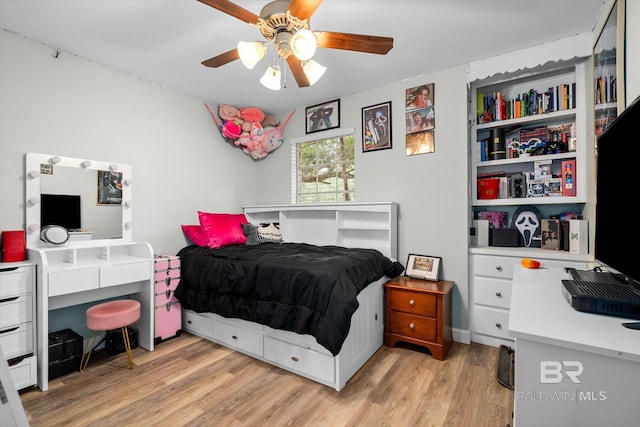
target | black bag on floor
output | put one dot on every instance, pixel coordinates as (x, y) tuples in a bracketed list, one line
[(115, 344)]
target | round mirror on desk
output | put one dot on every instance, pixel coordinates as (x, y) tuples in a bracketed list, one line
[(54, 235)]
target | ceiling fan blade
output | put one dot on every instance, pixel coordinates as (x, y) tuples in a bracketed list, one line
[(356, 42), (232, 9), (303, 9), (295, 65), (222, 59)]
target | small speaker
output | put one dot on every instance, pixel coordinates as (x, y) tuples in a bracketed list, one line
[(13, 246)]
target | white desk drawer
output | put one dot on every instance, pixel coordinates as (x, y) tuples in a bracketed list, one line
[(491, 321), (16, 310), (299, 359), (117, 274), (24, 373), (17, 340), (494, 266), (493, 292), (73, 280), (15, 282)]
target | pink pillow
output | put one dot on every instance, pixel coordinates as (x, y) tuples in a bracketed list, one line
[(194, 233), (220, 229)]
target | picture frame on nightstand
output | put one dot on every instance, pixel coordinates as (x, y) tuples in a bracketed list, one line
[(423, 267)]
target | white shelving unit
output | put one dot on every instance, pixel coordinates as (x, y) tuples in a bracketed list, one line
[(519, 83), (355, 225), (491, 268)]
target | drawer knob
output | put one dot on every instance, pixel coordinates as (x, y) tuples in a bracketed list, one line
[(167, 281), (189, 322), (499, 267), (499, 294), (498, 325), (294, 358), (235, 337), (412, 325), (412, 303)]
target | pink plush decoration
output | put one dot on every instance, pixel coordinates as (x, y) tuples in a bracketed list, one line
[(250, 128), (231, 129)]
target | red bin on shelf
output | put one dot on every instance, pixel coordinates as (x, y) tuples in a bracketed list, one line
[(13, 246)]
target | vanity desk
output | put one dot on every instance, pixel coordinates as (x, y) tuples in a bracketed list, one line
[(80, 271)]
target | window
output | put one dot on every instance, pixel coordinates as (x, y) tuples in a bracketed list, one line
[(323, 168)]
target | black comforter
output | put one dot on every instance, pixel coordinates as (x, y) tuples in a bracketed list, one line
[(296, 287)]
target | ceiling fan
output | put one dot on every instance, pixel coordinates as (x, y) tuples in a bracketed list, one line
[(285, 26)]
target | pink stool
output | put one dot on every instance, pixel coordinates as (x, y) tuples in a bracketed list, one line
[(106, 316)]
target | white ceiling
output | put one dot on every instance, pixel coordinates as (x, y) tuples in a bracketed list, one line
[(165, 41)]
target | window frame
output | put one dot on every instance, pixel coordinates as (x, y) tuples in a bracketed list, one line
[(318, 136)]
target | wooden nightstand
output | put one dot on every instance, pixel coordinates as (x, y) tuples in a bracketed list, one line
[(419, 312)]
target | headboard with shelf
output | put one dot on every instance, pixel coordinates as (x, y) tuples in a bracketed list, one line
[(372, 225)]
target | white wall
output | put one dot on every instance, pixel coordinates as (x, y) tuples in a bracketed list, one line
[(72, 107)]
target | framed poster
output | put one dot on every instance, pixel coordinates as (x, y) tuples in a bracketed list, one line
[(376, 127), (323, 116), (423, 267), (109, 188)]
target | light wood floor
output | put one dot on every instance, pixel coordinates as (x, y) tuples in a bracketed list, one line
[(188, 381)]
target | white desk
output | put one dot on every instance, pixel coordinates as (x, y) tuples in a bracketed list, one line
[(92, 271), (554, 343)]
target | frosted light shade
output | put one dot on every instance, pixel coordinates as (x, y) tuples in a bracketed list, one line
[(303, 44), (250, 53), (271, 79), (313, 71)]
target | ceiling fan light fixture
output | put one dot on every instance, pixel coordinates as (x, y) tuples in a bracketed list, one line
[(313, 71), (271, 78), (303, 44), (251, 53)]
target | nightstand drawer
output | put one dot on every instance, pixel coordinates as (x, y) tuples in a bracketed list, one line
[(419, 304), (422, 328), (493, 292)]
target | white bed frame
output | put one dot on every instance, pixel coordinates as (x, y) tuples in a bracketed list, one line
[(367, 225)]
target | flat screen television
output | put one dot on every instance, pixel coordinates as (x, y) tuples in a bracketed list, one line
[(61, 209), (617, 229)]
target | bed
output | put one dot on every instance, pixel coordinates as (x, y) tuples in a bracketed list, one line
[(314, 310)]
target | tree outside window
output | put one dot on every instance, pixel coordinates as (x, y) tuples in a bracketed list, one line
[(325, 170)]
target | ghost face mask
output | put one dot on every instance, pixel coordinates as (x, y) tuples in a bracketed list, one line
[(527, 221)]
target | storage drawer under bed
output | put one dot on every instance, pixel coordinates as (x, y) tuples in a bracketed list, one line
[(302, 360)]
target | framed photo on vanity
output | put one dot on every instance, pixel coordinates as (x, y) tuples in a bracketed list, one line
[(423, 267), (109, 188)]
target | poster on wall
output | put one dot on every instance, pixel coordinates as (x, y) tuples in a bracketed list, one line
[(376, 127), (420, 119), (109, 188)]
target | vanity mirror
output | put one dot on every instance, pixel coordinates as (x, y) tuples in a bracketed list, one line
[(92, 198)]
